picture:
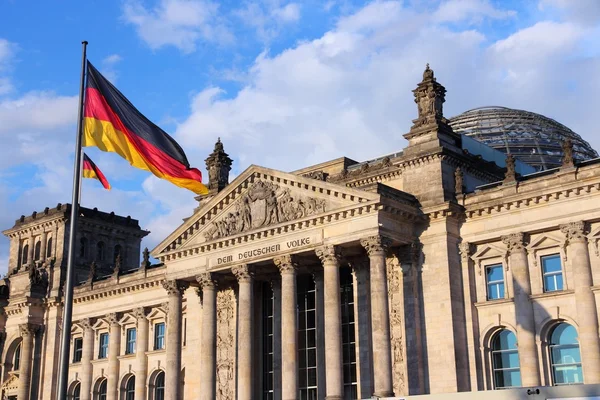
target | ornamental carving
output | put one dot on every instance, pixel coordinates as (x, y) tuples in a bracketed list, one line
[(206, 280), (375, 244), (226, 344), (86, 324), (285, 264), (139, 313), (514, 242), (243, 273), (396, 302), (113, 319), (465, 249), (511, 174), (574, 231), (28, 329), (328, 254), (174, 287), (265, 203)]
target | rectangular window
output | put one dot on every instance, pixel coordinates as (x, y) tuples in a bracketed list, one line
[(495, 281), (268, 304), (348, 334), (307, 337), (77, 349), (159, 336), (552, 270), (103, 346), (131, 337)]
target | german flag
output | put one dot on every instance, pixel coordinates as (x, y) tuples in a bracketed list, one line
[(90, 170), (113, 124)]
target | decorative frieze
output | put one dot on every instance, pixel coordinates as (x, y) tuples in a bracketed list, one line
[(226, 344), (396, 302)]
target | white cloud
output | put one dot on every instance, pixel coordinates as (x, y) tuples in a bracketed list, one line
[(586, 12), (179, 23), (7, 55), (109, 67), (471, 11), (268, 17), (288, 13)]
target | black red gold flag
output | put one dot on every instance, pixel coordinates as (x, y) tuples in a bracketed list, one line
[(90, 170), (113, 124)]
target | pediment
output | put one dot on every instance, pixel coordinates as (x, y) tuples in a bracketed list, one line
[(545, 241), (488, 251), (258, 199)]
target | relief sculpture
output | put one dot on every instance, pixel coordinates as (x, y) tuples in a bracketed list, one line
[(226, 344), (265, 203), (396, 302)]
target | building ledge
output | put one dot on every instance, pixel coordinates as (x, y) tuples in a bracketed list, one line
[(490, 303), (556, 293)]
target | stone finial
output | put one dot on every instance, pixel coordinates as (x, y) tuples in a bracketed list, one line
[(567, 148), (218, 165), (429, 96), (92, 273), (145, 259), (117, 267), (511, 174), (458, 181)]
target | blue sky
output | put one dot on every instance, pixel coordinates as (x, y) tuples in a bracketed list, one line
[(284, 83)]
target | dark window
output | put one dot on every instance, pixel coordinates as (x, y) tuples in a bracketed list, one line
[(38, 249), (495, 281), (130, 389), (268, 304), (159, 336), (17, 358), (307, 338), (100, 251), (77, 349), (25, 257), (102, 390), (131, 337), (552, 269), (103, 346), (77, 391), (505, 359), (159, 386), (565, 355), (49, 248), (348, 333), (83, 242)]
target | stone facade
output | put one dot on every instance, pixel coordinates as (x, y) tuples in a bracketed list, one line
[(399, 276)]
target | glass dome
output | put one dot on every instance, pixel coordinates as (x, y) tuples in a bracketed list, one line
[(530, 137)]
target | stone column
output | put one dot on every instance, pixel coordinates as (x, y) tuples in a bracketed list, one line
[(27, 333), (380, 317), (208, 357), (114, 345), (362, 316), (30, 249), (334, 388), (289, 327), (174, 290), (87, 355), (244, 340), (141, 347), (587, 316), (44, 240), (530, 372)]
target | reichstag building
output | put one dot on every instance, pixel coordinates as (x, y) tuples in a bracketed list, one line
[(468, 261)]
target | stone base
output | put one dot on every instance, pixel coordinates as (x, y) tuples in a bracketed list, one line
[(383, 394)]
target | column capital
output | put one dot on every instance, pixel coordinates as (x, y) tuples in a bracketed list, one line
[(113, 318), (465, 249), (87, 324), (514, 242), (376, 244), (206, 280), (174, 287), (28, 329), (328, 254), (574, 231), (139, 313), (243, 273), (285, 264)]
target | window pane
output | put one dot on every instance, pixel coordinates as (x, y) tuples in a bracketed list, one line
[(564, 334), (567, 354), (505, 359), (494, 273), (566, 358), (551, 263), (549, 283), (568, 375)]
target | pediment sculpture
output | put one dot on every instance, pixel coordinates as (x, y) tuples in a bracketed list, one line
[(263, 204)]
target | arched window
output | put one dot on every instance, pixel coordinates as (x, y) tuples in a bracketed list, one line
[(38, 248), (83, 247), (117, 253), (100, 251), (102, 390), (565, 356), (130, 388), (17, 358), (505, 360), (159, 386), (49, 248), (76, 392), (25, 257)]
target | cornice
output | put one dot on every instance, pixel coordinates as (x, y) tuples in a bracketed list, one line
[(83, 294)]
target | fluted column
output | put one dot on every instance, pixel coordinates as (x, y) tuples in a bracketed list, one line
[(528, 360), (141, 347), (87, 354), (245, 340), (380, 317), (334, 388), (174, 290), (587, 317), (27, 333), (209, 336), (289, 328), (114, 344)]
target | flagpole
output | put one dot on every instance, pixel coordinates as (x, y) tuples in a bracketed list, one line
[(63, 372)]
